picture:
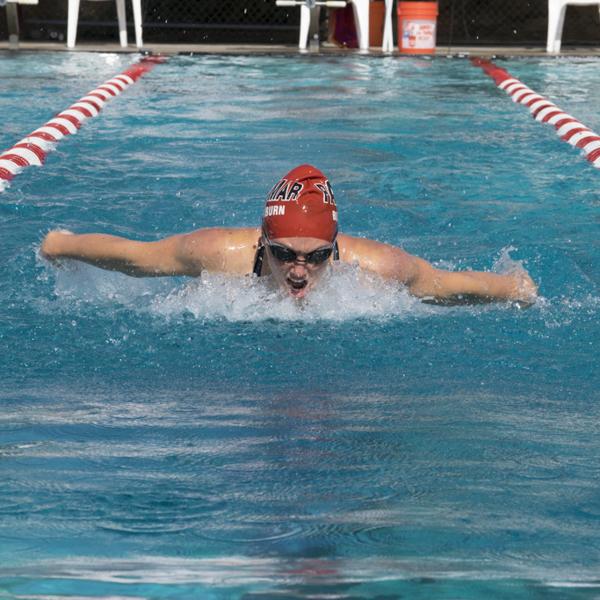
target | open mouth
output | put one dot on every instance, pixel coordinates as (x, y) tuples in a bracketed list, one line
[(296, 285)]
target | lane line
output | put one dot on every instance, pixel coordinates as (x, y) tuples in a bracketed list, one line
[(568, 128), (33, 148)]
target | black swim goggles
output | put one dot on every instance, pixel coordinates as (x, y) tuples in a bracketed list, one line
[(287, 255)]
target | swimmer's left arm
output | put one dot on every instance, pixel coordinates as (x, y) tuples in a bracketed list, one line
[(425, 281), (430, 283)]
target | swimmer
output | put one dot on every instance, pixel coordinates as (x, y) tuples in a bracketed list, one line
[(297, 241)]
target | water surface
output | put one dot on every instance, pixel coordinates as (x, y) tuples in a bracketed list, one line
[(164, 438)]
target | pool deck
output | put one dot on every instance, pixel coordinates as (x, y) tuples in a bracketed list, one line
[(257, 49)]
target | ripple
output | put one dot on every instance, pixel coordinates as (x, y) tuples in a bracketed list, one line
[(26, 506), (590, 510), (157, 512), (13, 506), (539, 467), (143, 527), (19, 449), (374, 536), (252, 532)]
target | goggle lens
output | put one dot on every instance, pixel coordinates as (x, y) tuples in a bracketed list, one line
[(284, 254)]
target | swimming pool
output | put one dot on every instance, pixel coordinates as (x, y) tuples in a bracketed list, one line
[(166, 438)]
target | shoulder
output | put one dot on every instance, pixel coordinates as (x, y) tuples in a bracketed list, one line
[(229, 250), (387, 260)]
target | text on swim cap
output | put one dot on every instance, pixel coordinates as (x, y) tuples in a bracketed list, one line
[(327, 192), (271, 211), (285, 190)]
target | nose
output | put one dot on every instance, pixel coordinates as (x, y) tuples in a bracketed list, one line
[(299, 267)]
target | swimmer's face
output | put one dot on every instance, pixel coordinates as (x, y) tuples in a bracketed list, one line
[(297, 263)]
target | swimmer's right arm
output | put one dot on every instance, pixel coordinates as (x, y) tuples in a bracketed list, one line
[(170, 256)]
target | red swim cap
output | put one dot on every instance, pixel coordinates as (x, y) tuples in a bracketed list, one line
[(301, 205)]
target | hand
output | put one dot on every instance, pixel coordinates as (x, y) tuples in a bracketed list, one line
[(525, 290), (51, 245)]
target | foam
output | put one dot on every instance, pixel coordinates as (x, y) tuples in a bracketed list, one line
[(344, 293)]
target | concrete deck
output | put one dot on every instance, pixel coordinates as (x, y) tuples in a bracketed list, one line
[(255, 49)]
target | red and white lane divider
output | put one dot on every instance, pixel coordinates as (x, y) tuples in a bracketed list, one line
[(567, 127), (32, 150)]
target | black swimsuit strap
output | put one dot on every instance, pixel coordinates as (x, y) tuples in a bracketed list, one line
[(258, 259), (260, 255)]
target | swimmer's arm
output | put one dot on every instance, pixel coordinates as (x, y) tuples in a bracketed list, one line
[(436, 285), (452, 287), (169, 256)]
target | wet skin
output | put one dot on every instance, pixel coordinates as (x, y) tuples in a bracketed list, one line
[(297, 277)]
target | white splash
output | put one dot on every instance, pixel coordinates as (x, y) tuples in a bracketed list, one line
[(344, 293), (506, 264), (78, 282)]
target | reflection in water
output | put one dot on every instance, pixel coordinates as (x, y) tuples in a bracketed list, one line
[(306, 578)]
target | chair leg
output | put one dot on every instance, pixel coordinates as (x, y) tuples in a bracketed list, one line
[(388, 32), (559, 28), (556, 21), (122, 23), (12, 20), (551, 33), (361, 18), (137, 20), (308, 17), (72, 20), (304, 26)]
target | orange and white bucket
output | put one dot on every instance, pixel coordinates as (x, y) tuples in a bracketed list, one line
[(417, 25)]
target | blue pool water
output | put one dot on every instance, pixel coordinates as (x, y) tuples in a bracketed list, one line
[(170, 438)]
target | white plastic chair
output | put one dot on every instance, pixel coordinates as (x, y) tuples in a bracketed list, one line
[(309, 17), (556, 20), (73, 19)]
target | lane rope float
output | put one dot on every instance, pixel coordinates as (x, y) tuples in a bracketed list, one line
[(32, 149), (567, 127)]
